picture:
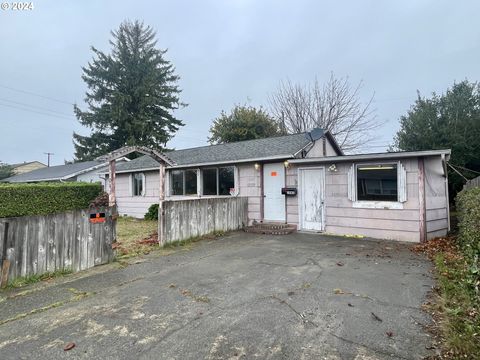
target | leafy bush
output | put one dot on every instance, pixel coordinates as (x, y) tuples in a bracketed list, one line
[(45, 198), (468, 207), (152, 213)]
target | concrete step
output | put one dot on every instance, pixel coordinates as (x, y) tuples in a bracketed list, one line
[(271, 229)]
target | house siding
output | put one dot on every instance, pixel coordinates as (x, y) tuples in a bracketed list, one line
[(343, 219), (251, 187), (436, 198), (136, 206)]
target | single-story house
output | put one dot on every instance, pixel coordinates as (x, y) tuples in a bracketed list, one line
[(304, 180), (85, 171), (25, 167)]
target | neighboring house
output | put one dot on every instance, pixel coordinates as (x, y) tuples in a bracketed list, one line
[(86, 171), (25, 167), (396, 195)]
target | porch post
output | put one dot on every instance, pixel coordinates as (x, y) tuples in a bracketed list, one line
[(111, 182), (422, 200), (161, 214)]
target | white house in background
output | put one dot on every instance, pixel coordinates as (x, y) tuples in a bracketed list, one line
[(85, 171), (304, 180)]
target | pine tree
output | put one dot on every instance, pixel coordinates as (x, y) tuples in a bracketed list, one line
[(131, 97)]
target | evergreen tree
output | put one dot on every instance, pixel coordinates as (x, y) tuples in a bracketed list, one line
[(447, 121), (243, 123), (132, 94), (5, 171)]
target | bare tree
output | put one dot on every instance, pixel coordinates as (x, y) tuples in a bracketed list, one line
[(335, 106)]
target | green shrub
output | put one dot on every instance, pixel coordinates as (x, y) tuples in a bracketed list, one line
[(468, 207), (45, 198), (152, 213)]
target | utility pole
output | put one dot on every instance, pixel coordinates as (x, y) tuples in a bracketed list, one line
[(48, 157)]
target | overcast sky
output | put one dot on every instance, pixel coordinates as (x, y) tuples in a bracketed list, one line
[(229, 52)]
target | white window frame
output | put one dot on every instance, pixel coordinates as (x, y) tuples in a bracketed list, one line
[(144, 184), (372, 204), (199, 171), (170, 182)]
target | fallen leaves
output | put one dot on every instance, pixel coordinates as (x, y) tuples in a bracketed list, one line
[(445, 245)]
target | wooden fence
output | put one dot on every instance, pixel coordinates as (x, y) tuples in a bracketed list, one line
[(70, 240), (472, 183), (190, 218)]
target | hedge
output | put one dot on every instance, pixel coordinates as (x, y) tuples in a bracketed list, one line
[(45, 198), (468, 207)]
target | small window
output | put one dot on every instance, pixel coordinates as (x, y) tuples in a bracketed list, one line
[(226, 180), (137, 184), (209, 181), (177, 182), (377, 182)]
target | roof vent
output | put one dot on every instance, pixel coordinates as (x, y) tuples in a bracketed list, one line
[(315, 134)]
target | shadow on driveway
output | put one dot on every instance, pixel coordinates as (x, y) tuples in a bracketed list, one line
[(299, 296)]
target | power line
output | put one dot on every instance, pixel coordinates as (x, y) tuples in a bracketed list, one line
[(35, 94), (35, 107), (36, 112)]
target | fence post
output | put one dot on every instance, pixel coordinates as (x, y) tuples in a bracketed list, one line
[(5, 261), (161, 212)]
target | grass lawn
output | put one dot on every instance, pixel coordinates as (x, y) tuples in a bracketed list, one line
[(130, 233)]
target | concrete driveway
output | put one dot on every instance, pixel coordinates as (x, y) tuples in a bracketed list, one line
[(242, 296)]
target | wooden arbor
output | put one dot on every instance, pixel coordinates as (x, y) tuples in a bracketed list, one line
[(124, 151)]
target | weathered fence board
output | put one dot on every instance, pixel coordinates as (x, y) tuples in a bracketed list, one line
[(39, 244), (472, 183), (184, 219)]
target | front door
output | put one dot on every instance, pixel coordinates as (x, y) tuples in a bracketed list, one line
[(312, 197), (274, 201)]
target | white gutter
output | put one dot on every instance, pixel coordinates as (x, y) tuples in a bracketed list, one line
[(374, 156)]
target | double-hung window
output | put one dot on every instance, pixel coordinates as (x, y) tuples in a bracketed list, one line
[(138, 184)]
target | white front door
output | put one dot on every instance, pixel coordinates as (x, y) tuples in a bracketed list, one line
[(274, 201), (312, 197)]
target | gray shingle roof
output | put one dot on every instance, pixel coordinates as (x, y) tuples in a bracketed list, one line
[(281, 146), (140, 163), (243, 150), (53, 172)]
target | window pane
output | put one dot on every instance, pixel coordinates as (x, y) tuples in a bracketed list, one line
[(190, 182), (177, 182), (377, 182), (226, 180), (137, 185), (209, 182)]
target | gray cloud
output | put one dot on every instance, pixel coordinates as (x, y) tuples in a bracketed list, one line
[(230, 52)]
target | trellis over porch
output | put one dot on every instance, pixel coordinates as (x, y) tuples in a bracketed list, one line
[(161, 158)]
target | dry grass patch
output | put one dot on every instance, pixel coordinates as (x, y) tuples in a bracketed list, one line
[(131, 236)]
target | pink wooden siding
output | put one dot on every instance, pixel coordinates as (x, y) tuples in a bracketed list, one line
[(136, 206), (341, 218), (436, 198), (250, 186)]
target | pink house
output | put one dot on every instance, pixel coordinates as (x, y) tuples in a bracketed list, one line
[(304, 180)]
